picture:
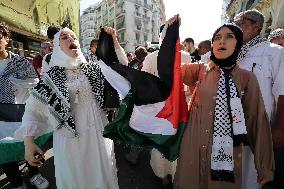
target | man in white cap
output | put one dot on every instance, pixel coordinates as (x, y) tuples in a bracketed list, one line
[(277, 37)]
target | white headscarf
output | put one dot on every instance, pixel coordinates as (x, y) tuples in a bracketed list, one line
[(59, 58)]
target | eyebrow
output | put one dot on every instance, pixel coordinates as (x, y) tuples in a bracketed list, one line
[(231, 33)]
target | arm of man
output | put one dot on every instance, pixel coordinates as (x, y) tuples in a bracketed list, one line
[(121, 55), (278, 90)]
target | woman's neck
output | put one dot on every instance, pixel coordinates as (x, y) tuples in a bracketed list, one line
[(4, 55)]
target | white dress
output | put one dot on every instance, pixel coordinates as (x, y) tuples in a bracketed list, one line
[(87, 161)]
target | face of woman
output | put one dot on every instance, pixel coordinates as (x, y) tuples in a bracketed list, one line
[(69, 44), (3, 42), (224, 43)]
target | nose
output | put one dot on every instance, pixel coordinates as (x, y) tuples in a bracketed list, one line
[(222, 41)]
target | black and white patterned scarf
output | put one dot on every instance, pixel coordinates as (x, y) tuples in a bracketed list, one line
[(19, 68), (229, 129), (52, 90), (90, 56), (246, 47)]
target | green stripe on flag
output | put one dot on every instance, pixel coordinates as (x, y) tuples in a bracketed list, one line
[(120, 131), (14, 150)]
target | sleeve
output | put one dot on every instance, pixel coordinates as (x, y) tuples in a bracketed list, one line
[(37, 61), (122, 58), (190, 73), (278, 71), (258, 129), (147, 64), (24, 69), (34, 121), (185, 58)]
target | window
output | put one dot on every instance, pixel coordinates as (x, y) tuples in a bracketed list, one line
[(145, 38)]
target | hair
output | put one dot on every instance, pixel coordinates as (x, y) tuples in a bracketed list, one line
[(253, 14), (45, 44), (140, 53), (4, 30), (205, 43), (129, 54), (94, 42), (51, 31), (162, 27), (189, 40)]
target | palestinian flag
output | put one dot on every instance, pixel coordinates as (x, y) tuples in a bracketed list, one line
[(12, 149), (153, 112)]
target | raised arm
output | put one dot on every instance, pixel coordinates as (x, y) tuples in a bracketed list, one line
[(121, 55)]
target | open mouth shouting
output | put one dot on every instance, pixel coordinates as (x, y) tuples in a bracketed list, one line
[(73, 46)]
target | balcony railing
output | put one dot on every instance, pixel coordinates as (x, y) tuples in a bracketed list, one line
[(120, 26), (148, 6)]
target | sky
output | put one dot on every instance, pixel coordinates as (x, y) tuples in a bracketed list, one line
[(199, 18)]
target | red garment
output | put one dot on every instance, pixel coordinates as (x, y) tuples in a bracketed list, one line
[(37, 62)]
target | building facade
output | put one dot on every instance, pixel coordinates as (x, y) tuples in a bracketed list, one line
[(136, 21), (28, 21), (273, 11)]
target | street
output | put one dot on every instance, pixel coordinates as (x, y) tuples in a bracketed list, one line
[(138, 176)]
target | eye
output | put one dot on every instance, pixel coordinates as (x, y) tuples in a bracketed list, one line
[(64, 37), (230, 36), (217, 37)]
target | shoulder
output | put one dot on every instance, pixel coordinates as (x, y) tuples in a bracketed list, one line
[(270, 48)]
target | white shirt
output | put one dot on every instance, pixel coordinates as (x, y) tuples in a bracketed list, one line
[(150, 62), (266, 60), (205, 58)]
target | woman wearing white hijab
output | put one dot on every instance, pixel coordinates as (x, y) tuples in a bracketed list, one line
[(69, 101)]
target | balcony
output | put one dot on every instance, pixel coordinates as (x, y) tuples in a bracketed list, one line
[(120, 26), (139, 27), (147, 18), (138, 2), (138, 14), (150, 7), (146, 30)]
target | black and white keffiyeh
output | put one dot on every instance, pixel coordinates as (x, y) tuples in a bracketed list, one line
[(245, 48), (279, 32), (17, 67), (90, 56), (229, 129), (52, 89)]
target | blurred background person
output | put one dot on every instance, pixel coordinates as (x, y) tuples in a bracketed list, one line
[(204, 49), (129, 56), (277, 37), (13, 67), (46, 48), (139, 56), (188, 44), (91, 54)]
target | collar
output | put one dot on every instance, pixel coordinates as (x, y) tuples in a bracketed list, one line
[(211, 65)]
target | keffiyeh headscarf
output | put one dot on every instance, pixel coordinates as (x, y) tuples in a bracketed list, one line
[(59, 58), (229, 128), (276, 33), (52, 89)]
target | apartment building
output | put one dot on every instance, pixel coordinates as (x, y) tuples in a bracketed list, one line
[(136, 21)]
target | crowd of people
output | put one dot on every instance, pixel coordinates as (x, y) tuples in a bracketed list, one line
[(233, 84)]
